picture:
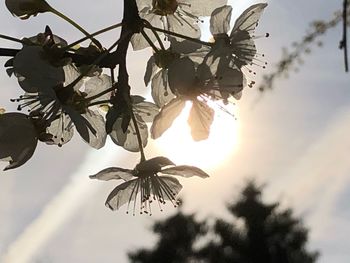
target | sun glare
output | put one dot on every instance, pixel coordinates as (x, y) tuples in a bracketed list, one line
[(177, 144)]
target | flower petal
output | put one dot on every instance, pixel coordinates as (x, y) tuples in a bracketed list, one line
[(185, 171), (151, 69), (96, 85), (26, 8), (200, 119), (122, 194), (146, 110), (220, 20), (144, 4), (230, 81), (172, 184), (166, 117), (90, 126), (34, 72), (71, 73), (97, 135), (60, 131), (249, 19), (161, 92), (18, 139), (182, 76), (113, 173), (138, 42), (128, 140), (187, 25), (200, 8)]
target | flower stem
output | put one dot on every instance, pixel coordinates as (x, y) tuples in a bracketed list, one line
[(89, 36), (99, 102), (11, 38), (76, 25), (102, 56), (178, 35), (149, 41), (8, 52), (101, 93), (156, 35)]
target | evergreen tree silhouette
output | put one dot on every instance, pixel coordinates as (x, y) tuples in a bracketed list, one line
[(176, 237), (268, 234)]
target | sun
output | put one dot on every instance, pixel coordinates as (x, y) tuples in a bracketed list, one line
[(177, 144)]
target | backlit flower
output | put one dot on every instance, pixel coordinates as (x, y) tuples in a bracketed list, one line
[(150, 181), (198, 85), (159, 63), (237, 48), (181, 16), (51, 94), (123, 131)]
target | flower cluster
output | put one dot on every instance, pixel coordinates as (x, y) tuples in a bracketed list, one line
[(67, 88)]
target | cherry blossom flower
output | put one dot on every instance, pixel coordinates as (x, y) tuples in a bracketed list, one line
[(123, 131), (52, 93), (158, 64), (26, 8), (238, 48), (173, 15), (197, 85), (18, 139), (150, 181)]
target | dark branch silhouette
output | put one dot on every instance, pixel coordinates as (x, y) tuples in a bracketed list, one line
[(293, 58)]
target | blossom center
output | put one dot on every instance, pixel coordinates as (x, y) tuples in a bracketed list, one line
[(67, 96), (164, 7)]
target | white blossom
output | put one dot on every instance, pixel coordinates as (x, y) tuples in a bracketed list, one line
[(237, 48), (180, 16), (150, 180), (196, 84)]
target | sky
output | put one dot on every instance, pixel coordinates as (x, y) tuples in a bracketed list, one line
[(293, 139)]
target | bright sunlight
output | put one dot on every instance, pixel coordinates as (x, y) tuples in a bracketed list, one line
[(177, 144)]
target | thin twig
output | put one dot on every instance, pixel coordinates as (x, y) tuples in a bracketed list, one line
[(149, 41), (8, 52), (344, 42), (89, 36), (11, 38), (76, 25), (99, 102), (101, 93), (178, 35)]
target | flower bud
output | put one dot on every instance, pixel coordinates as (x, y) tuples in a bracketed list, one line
[(26, 8)]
